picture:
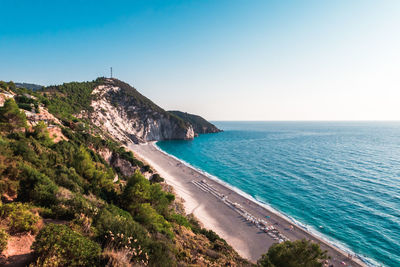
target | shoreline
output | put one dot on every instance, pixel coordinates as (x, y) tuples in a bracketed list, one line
[(307, 228), (218, 214)]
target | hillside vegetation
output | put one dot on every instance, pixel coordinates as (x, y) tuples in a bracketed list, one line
[(84, 211), (30, 86), (200, 125)]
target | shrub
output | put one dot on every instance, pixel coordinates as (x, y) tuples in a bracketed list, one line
[(147, 168), (58, 245), (37, 187), (210, 234), (76, 205), (196, 228), (83, 163), (25, 106), (180, 219), (8, 187), (21, 219), (117, 257), (23, 148), (69, 179), (156, 178), (121, 236), (24, 99), (3, 240), (41, 133), (152, 220), (293, 254), (162, 254), (113, 219)]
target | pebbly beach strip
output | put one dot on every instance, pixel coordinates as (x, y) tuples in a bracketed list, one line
[(250, 228)]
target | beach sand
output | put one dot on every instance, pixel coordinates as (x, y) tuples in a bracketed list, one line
[(249, 241)]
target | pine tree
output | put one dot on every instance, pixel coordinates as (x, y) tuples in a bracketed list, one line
[(11, 118)]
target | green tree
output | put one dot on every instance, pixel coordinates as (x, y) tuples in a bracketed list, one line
[(3, 85), (11, 118), (156, 178), (299, 253), (11, 85), (36, 187), (83, 163), (136, 191), (41, 133), (149, 217)]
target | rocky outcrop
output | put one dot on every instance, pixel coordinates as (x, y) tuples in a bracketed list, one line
[(4, 95), (128, 116), (118, 163), (124, 166)]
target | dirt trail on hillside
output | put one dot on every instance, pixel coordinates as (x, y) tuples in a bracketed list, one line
[(18, 252)]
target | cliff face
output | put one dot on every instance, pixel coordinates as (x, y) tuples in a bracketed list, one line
[(200, 125), (121, 111)]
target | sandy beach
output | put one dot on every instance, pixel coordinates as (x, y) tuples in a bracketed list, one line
[(202, 197)]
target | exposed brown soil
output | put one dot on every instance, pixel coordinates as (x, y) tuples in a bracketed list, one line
[(18, 252), (56, 134)]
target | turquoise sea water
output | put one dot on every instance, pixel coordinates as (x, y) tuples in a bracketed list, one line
[(341, 179)]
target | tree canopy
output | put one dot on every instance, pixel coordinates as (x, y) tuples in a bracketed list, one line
[(11, 118), (299, 253)]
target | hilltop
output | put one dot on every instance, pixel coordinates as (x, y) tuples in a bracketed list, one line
[(120, 111), (31, 86)]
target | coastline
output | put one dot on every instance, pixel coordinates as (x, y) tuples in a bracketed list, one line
[(246, 238)]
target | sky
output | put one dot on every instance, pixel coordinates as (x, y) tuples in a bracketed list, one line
[(223, 60)]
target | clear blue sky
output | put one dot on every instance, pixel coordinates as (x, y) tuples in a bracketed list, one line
[(224, 60)]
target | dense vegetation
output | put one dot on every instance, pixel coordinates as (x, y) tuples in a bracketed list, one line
[(30, 86), (11, 118), (200, 125), (70, 98), (298, 253)]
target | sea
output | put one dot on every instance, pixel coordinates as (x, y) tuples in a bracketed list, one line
[(339, 180)]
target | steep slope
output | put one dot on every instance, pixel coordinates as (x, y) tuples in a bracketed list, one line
[(200, 125), (117, 109), (128, 116)]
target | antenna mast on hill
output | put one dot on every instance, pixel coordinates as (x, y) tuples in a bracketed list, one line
[(111, 71)]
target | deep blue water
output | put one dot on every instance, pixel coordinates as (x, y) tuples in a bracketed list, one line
[(343, 176)]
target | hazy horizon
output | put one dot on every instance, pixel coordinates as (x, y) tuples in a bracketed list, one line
[(223, 60)]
